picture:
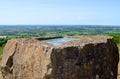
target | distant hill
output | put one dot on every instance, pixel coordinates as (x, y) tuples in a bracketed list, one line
[(41, 30)]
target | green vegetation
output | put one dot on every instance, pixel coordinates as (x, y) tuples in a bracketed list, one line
[(1, 50), (29, 31), (41, 31), (2, 45), (116, 37)]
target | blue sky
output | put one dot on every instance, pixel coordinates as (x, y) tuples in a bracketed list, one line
[(64, 12)]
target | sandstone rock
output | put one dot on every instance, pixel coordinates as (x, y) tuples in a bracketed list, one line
[(91, 57), (1, 77)]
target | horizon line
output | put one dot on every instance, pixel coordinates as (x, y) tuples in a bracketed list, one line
[(56, 25)]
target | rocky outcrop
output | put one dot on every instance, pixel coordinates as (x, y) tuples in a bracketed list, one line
[(91, 57)]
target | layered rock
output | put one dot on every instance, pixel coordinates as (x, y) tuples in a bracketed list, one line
[(91, 57)]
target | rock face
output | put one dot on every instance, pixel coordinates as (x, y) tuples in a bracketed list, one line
[(91, 57)]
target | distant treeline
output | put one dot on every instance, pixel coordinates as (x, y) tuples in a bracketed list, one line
[(60, 30)]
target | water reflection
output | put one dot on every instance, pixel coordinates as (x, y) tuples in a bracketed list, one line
[(59, 41)]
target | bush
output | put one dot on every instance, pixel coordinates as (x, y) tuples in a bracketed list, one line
[(2, 45), (116, 37)]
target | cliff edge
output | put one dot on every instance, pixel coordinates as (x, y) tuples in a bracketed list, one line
[(90, 57)]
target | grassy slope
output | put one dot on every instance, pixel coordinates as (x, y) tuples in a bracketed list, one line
[(1, 53), (1, 50)]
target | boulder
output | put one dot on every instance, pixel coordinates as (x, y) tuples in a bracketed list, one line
[(90, 57)]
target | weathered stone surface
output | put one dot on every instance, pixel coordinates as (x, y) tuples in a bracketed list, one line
[(1, 77), (91, 57)]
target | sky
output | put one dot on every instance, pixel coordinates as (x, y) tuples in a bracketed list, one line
[(59, 12)]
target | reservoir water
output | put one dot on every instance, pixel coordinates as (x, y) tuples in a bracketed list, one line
[(59, 41)]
